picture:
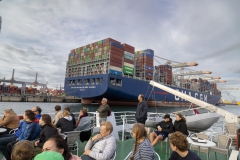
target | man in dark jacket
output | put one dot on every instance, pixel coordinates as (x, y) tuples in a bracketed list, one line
[(103, 111), (163, 129), (142, 108)]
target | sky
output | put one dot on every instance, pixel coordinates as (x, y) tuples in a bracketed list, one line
[(37, 36)]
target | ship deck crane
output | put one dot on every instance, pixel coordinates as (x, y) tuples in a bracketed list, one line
[(228, 88), (193, 73), (184, 64), (229, 117)]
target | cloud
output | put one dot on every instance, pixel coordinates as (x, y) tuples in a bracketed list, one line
[(38, 36)]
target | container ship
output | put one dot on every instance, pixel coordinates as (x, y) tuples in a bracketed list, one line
[(114, 70)]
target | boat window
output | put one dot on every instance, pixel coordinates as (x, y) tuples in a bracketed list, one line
[(73, 82), (119, 82), (87, 81), (112, 81), (101, 80), (79, 82), (97, 81), (93, 81)]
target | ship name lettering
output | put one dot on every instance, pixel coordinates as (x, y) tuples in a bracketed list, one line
[(205, 98), (196, 94), (185, 92), (201, 97)]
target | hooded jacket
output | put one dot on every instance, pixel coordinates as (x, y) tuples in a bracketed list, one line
[(181, 127), (66, 124), (167, 127)]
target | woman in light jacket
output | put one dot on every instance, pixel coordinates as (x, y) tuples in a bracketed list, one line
[(84, 124), (9, 120)]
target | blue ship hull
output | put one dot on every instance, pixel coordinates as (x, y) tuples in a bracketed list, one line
[(119, 88)]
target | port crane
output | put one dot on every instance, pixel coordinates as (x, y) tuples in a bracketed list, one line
[(35, 83)]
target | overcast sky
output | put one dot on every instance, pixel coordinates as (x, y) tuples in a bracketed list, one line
[(37, 36)]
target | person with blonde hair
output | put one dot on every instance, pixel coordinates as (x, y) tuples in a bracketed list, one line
[(9, 120), (142, 148), (180, 124), (84, 124), (101, 146), (22, 150), (65, 123), (179, 146)]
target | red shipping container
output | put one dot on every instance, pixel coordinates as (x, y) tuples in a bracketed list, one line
[(116, 56), (116, 64), (128, 50), (128, 61), (116, 60), (116, 49), (107, 40), (149, 77), (128, 46), (112, 52)]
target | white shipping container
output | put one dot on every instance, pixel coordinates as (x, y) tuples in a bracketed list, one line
[(128, 53), (115, 68), (128, 64), (82, 54)]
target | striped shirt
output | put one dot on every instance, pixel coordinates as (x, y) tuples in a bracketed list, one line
[(145, 151)]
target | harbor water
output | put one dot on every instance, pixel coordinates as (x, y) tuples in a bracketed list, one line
[(20, 107)]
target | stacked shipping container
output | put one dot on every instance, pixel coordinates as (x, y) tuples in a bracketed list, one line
[(85, 60), (128, 59), (164, 72), (144, 64)]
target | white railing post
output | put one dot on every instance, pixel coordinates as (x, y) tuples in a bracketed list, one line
[(123, 118)]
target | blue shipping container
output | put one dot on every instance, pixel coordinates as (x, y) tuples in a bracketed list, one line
[(115, 72), (116, 45), (150, 68)]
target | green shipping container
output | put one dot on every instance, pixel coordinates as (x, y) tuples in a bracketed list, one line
[(128, 68), (128, 57), (128, 72), (104, 56)]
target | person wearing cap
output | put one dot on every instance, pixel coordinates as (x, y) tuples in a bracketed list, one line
[(163, 129), (142, 108), (49, 155), (9, 120)]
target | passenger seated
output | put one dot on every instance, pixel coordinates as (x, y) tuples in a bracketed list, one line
[(58, 144), (71, 114), (58, 114), (101, 146), (37, 111), (29, 131), (142, 148), (179, 146), (22, 150), (66, 122), (163, 129), (180, 124), (9, 121), (84, 124), (47, 131)]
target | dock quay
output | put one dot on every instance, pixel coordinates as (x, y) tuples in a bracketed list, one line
[(38, 98)]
